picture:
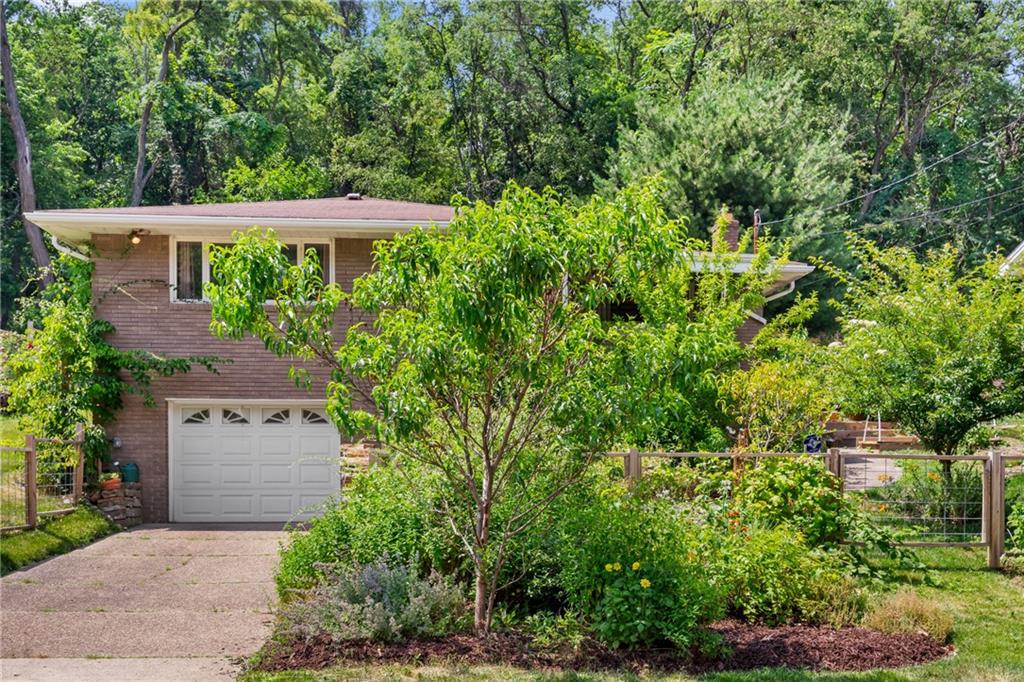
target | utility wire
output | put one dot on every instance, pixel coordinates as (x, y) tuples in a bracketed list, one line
[(926, 214), (907, 177), (821, 276)]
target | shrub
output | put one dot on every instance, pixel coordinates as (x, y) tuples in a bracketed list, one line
[(773, 577), (379, 514), (556, 631), (379, 601), (668, 597), (906, 611), (799, 492)]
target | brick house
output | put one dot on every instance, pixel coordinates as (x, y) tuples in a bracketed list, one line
[(244, 444)]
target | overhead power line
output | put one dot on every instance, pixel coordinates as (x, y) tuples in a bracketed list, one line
[(889, 185)]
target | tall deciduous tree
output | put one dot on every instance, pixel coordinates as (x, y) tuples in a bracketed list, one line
[(488, 360), (23, 150)]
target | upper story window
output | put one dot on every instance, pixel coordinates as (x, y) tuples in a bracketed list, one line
[(190, 263)]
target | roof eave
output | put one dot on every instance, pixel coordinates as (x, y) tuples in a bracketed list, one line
[(78, 228)]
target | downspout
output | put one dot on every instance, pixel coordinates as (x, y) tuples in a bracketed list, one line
[(65, 250)]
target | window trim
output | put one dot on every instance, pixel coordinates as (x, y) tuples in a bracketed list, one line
[(210, 240)]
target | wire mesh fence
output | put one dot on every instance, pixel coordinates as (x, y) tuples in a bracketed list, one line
[(926, 498), (12, 487), (44, 478)]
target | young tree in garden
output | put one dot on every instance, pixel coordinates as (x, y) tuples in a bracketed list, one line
[(939, 350), (488, 360), (784, 392)]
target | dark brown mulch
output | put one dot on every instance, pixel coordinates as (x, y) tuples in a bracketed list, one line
[(752, 646), (823, 648)]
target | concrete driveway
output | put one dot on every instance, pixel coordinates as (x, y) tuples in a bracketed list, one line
[(170, 602)]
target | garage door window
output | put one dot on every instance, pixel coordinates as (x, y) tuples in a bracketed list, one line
[(274, 416), (195, 417), (313, 417), (239, 416)]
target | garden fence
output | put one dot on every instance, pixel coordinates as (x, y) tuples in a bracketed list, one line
[(931, 504), (44, 478)]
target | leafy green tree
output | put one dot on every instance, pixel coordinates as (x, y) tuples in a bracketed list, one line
[(62, 371), (784, 393), (488, 360), (939, 349)]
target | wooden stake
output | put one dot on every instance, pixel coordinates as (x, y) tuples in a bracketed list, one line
[(31, 502)]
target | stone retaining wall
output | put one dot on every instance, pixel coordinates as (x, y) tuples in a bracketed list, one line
[(123, 506)]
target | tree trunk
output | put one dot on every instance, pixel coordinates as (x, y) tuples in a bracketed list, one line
[(22, 153), (481, 620), (142, 174)]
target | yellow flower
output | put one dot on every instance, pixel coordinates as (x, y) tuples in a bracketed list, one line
[(934, 476), (884, 477), (608, 567), (645, 583), (882, 507), (636, 565), (617, 566)]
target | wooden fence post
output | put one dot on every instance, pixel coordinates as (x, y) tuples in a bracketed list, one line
[(634, 469), (986, 499), (996, 523), (31, 502), (837, 466), (80, 463)]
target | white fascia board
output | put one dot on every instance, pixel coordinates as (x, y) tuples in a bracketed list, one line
[(78, 227)]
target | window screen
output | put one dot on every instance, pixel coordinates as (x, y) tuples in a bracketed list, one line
[(190, 271)]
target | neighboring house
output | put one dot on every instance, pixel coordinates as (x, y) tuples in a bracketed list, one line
[(245, 444), (1014, 262)]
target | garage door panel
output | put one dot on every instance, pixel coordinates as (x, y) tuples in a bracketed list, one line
[(276, 504), (312, 472), (233, 474), (227, 470), (312, 446), (276, 473), (237, 505), (236, 446), (275, 446), (196, 445), (192, 506), (197, 474)]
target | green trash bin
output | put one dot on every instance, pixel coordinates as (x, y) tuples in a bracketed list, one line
[(130, 472)]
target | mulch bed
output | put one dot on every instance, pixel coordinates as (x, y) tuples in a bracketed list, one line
[(752, 646)]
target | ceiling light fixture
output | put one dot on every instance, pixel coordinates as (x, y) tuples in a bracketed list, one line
[(135, 236)]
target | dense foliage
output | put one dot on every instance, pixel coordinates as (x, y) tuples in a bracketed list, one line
[(63, 372), (495, 357), (935, 348), (787, 107)]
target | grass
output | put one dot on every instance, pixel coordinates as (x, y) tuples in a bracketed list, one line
[(54, 536), (987, 607)]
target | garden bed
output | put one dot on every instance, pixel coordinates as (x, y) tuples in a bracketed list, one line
[(751, 646)]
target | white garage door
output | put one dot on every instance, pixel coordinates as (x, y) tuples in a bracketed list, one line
[(251, 462)]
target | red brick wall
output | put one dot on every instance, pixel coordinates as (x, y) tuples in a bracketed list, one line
[(145, 317)]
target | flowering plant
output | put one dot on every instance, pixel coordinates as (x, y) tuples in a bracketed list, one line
[(641, 605)]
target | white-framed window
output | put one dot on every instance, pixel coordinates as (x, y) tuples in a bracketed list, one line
[(190, 263)]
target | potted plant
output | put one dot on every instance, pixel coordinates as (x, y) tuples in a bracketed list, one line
[(110, 481)]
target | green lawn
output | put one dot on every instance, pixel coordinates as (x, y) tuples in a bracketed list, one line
[(55, 536), (989, 637)]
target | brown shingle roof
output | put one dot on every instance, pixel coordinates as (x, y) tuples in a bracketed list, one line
[(331, 208)]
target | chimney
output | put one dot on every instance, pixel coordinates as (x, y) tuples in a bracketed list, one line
[(731, 233)]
